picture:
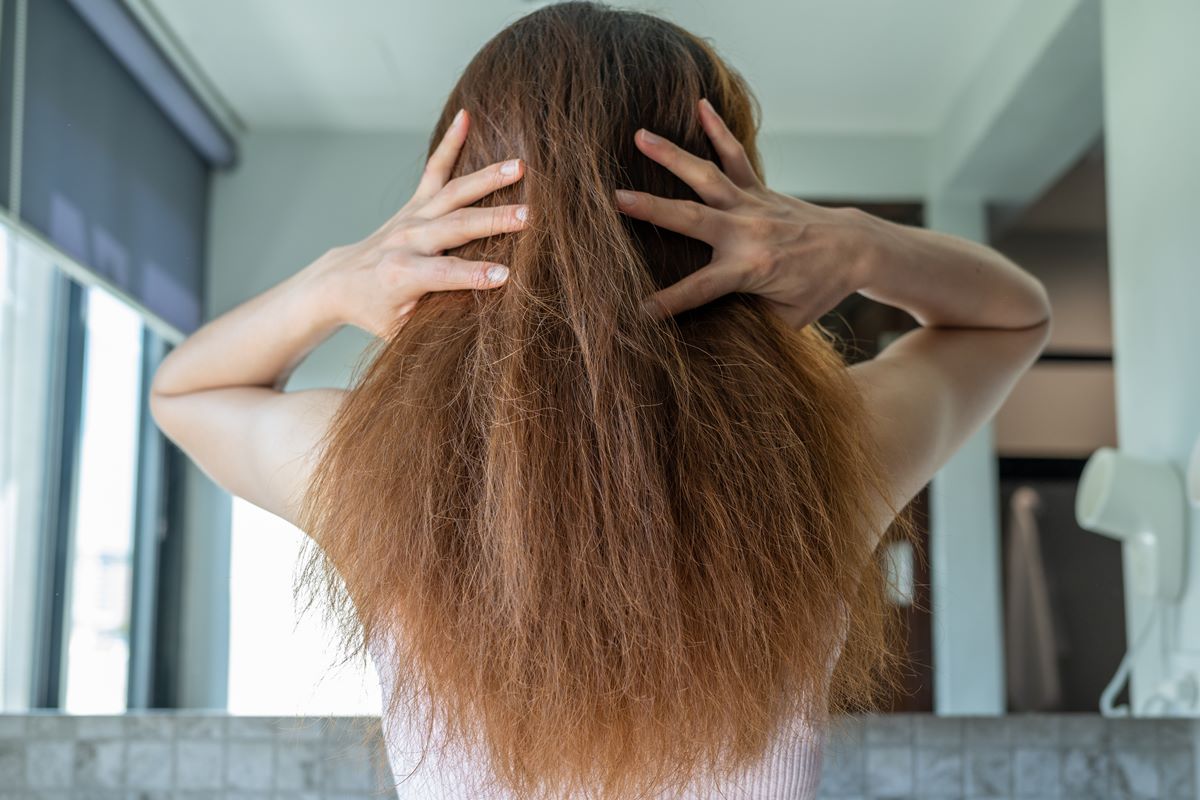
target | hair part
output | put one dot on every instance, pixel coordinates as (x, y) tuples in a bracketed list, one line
[(608, 552)]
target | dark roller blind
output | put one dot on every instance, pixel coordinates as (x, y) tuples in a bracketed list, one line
[(106, 175), (6, 97)]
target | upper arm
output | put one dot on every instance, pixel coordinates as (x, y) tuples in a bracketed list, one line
[(255, 442), (931, 389)]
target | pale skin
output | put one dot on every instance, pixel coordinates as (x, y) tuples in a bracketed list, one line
[(219, 394)]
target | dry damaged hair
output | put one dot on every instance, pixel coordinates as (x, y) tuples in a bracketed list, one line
[(611, 552)]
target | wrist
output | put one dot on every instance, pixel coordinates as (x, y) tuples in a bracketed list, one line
[(877, 244), (318, 292)]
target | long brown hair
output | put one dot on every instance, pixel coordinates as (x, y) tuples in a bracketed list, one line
[(609, 551)]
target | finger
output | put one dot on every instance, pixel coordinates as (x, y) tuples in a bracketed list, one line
[(447, 273), (466, 189), (734, 160), (437, 169), (682, 216), (704, 285), (467, 224), (705, 177)]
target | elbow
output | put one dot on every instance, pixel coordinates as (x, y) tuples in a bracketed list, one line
[(160, 399), (1035, 308), (1044, 310)]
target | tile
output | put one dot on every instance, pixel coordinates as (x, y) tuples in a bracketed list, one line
[(1176, 732), (353, 728), (1085, 772), (988, 772), (99, 727), (939, 772), (1036, 772), (889, 771), (300, 728), (49, 725), (888, 729), (49, 764), (100, 763), (987, 731), (1083, 731), (201, 726), (150, 725), (1133, 734), (249, 765), (12, 763), (348, 768), (298, 766), (932, 731), (148, 764), (199, 764), (12, 726), (1176, 773), (250, 727), (845, 731), (1134, 774), (1034, 730), (843, 772)]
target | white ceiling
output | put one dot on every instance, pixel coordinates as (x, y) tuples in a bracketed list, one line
[(850, 66)]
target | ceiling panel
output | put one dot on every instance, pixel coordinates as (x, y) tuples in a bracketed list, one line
[(852, 66)]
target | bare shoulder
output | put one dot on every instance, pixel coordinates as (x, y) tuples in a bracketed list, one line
[(930, 390)]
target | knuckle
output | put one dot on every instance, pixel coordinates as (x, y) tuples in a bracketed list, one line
[(760, 264), (693, 212), (711, 174)]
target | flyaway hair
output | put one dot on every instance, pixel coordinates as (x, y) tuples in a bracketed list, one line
[(610, 552)]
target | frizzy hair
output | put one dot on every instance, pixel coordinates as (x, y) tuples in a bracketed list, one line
[(608, 552)]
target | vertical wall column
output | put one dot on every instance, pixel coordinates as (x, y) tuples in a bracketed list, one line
[(964, 541), (1152, 126)]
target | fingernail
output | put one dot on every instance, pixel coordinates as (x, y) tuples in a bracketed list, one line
[(626, 198), (509, 168), (704, 102), (522, 213), (497, 274), (649, 138), (457, 119)]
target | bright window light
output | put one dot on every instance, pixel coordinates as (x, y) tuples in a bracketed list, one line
[(102, 543), (279, 663)]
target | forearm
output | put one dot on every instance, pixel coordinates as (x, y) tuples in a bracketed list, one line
[(946, 281), (258, 343)]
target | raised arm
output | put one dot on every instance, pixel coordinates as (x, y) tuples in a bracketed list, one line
[(984, 319), (219, 395)]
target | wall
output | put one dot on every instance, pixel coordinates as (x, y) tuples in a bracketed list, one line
[(1152, 126), (340, 758)]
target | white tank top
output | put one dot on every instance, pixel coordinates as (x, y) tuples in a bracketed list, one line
[(790, 770)]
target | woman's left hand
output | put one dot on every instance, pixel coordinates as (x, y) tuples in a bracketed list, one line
[(375, 283)]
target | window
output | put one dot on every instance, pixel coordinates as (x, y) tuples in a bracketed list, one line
[(279, 664), (102, 536), (27, 294)]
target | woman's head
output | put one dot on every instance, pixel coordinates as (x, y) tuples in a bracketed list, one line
[(565, 89), (609, 550)]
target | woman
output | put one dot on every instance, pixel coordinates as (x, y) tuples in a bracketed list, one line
[(604, 505)]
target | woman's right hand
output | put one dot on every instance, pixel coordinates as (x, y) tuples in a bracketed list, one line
[(803, 258)]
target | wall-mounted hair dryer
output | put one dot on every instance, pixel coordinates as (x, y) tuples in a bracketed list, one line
[(1140, 503)]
